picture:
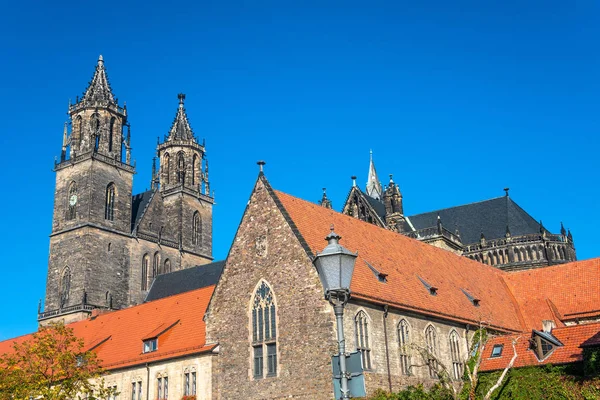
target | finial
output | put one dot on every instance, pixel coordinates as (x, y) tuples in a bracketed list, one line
[(181, 98), (391, 179), (158, 140), (331, 227), (332, 238), (100, 60), (439, 224), (261, 165), (371, 154), (353, 180), (506, 190), (507, 234), (562, 229)]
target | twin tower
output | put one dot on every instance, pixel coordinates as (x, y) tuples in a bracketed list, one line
[(107, 245)]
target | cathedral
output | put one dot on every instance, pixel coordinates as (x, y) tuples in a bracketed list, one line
[(107, 243), (133, 276), (495, 232)]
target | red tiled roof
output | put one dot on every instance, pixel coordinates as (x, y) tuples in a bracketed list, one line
[(572, 337), (561, 292), (404, 260), (126, 329)]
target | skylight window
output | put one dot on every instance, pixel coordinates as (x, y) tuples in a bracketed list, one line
[(150, 345), (432, 289), (497, 350), (381, 277), (472, 299), (543, 344)]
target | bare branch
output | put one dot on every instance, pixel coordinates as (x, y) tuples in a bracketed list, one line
[(508, 367)]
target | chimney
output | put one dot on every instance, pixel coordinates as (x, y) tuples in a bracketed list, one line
[(548, 325)]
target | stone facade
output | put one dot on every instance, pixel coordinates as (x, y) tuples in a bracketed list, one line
[(106, 245)]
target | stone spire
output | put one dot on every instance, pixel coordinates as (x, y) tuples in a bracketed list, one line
[(374, 188), (325, 202), (181, 129), (99, 89)]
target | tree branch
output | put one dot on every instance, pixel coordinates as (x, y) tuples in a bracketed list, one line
[(508, 367)]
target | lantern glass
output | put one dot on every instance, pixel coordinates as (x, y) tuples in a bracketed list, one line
[(335, 266)]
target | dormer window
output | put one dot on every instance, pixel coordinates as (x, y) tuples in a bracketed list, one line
[(432, 289), (497, 350), (150, 345), (543, 344), (381, 277), (472, 299)]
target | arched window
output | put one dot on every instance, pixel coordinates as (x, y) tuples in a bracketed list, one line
[(111, 133), (79, 125), (361, 326), (194, 169), (156, 265), (457, 365), (180, 168), (95, 131), (431, 344), (167, 168), (196, 229), (264, 332), (145, 262), (404, 346), (167, 268), (72, 200), (65, 286), (109, 209)]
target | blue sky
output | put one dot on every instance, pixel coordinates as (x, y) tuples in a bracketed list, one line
[(457, 99)]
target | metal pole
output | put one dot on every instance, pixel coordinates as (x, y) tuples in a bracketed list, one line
[(338, 308)]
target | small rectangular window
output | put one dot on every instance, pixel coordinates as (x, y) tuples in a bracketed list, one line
[(497, 350), (271, 359), (194, 383), (150, 345), (258, 362)]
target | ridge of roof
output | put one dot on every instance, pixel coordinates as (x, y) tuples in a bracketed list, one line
[(458, 206)]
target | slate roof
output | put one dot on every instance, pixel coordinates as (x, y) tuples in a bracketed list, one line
[(489, 216), (139, 202), (572, 337), (184, 280), (404, 261), (117, 336)]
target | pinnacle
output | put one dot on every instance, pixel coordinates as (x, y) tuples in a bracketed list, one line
[(181, 129), (99, 89)]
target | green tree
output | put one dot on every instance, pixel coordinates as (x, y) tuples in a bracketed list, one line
[(53, 365)]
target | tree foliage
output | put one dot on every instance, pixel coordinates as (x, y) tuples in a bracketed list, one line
[(53, 365)]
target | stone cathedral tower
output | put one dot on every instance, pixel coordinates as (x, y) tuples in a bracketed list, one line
[(107, 246)]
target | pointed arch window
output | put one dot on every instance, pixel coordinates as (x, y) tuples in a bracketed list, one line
[(156, 265), (196, 229), (145, 262), (79, 125), (264, 332), (96, 131), (181, 168), (361, 326), (194, 169), (167, 167), (457, 365), (111, 134), (109, 209), (167, 268), (404, 346), (431, 345), (72, 201), (65, 286)]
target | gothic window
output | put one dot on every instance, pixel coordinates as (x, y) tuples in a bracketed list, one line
[(156, 265), (95, 122), (162, 387), (145, 262), (109, 209), (167, 168), (431, 345), (457, 365), (264, 332), (136, 390), (404, 346), (167, 268), (65, 286), (196, 229), (79, 125), (194, 169), (180, 168), (361, 327), (189, 383), (111, 133), (72, 201)]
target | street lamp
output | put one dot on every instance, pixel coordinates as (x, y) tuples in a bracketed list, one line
[(335, 265)]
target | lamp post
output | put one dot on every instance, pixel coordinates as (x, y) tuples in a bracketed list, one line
[(335, 265)]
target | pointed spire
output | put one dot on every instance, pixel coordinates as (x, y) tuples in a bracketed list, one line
[(153, 179), (439, 224), (569, 236), (181, 129), (374, 188), (325, 202), (99, 89), (562, 229), (63, 153)]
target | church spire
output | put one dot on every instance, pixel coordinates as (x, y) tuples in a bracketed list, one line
[(99, 89), (374, 188), (181, 129)]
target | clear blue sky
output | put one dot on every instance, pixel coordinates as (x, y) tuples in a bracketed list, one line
[(456, 99)]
